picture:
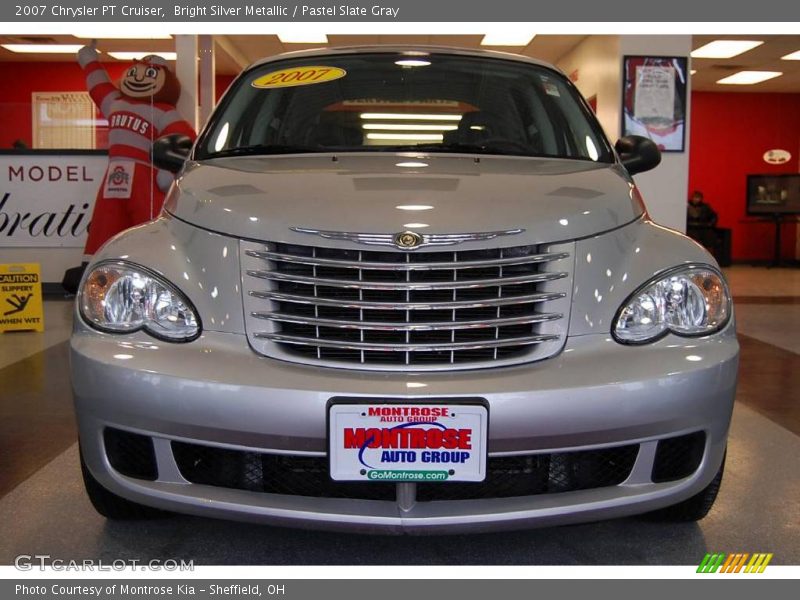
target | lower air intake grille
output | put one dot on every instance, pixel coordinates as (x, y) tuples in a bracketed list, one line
[(678, 457), (131, 454), (507, 477)]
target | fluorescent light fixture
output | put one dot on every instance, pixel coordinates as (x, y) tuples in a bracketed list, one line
[(43, 48), (414, 207), (792, 56), (407, 127), (507, 38), (122, 35), (725, 48), (693, 71), (409, 117), (411, 165), (412, 63), (415, 225), (303, 37), (749, 77), (423, 137), (140, 55)]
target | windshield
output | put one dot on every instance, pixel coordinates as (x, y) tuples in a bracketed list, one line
[(375, 102)]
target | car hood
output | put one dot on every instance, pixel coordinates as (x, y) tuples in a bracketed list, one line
[(263, 198)]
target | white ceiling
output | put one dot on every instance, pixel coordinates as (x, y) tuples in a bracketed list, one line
[(234, 51), (548, 48), (249, 48), (766, 57)]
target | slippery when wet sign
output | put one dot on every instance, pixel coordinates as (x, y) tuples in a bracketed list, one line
[(21, 298)]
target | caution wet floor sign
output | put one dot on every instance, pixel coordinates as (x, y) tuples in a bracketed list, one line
[(21, 298)]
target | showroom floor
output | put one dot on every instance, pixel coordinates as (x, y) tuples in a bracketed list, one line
[(43, 508)]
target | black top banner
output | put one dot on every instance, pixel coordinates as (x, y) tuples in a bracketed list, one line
[(586, 11)]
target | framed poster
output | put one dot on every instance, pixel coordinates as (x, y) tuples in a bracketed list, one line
[(654, 99)]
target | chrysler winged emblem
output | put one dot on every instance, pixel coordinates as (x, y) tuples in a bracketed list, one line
[(407, 240)]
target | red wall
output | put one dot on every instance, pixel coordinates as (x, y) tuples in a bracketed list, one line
[(729, 134), (20, 79)]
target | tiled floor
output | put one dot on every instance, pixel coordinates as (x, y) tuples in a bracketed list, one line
[(16, 345), (762, 281), (41, 494), (776, 324)]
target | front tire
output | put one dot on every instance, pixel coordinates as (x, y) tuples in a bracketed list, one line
[(110, 505), (694, 508)]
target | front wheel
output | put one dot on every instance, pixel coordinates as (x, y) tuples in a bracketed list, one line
[(694, 508), (110, 505)]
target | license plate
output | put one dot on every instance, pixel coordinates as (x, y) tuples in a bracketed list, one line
[(390, 442)]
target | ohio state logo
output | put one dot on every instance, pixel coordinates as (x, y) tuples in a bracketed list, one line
[(119, 176)]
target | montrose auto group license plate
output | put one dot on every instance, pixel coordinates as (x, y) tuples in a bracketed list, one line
[(434, 442)]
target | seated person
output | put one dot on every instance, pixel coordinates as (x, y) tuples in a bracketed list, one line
[(701, 220)]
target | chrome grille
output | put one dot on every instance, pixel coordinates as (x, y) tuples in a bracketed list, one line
[(399, 310)]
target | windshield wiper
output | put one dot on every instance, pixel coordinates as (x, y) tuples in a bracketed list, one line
[(263, 150)]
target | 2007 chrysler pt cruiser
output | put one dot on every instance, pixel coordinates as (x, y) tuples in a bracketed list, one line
[(404, 291)]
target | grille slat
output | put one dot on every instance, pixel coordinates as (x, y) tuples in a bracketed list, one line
[(409, 285), (409, 347), (407, 266), (454, 324), (358, 304), (406, 310)]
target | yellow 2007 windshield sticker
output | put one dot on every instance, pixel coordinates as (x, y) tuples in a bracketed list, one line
[(295, 76)]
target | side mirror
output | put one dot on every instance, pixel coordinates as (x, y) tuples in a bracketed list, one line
[(171, 151), (638, 153)]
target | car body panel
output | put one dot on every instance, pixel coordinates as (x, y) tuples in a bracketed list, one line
[(264, 198)]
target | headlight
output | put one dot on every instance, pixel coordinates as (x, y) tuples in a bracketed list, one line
[(688, 301), (123, 298)]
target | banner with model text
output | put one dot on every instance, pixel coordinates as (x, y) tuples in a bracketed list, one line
[(46, 200)]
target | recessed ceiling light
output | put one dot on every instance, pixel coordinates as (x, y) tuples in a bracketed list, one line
[(428, 137), (303, 38), (792, 56), (749, 77), (408, 127), (507, 38), (43, 48), (140, 55), (410, 117), (725, 48), (408, 62), (414, 207), (122, 36)]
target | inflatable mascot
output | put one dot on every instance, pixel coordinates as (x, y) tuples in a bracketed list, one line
[(139, 111)]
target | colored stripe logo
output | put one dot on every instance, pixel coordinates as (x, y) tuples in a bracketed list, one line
[(738, 562)]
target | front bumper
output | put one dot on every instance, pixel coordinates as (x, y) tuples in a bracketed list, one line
[(217, 392)]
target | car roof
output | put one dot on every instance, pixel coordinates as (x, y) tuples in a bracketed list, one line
[(411, 50)]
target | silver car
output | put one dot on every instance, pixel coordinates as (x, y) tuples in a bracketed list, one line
[(404, 290)]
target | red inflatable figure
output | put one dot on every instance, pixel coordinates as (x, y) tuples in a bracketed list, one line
[(140, 111)]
